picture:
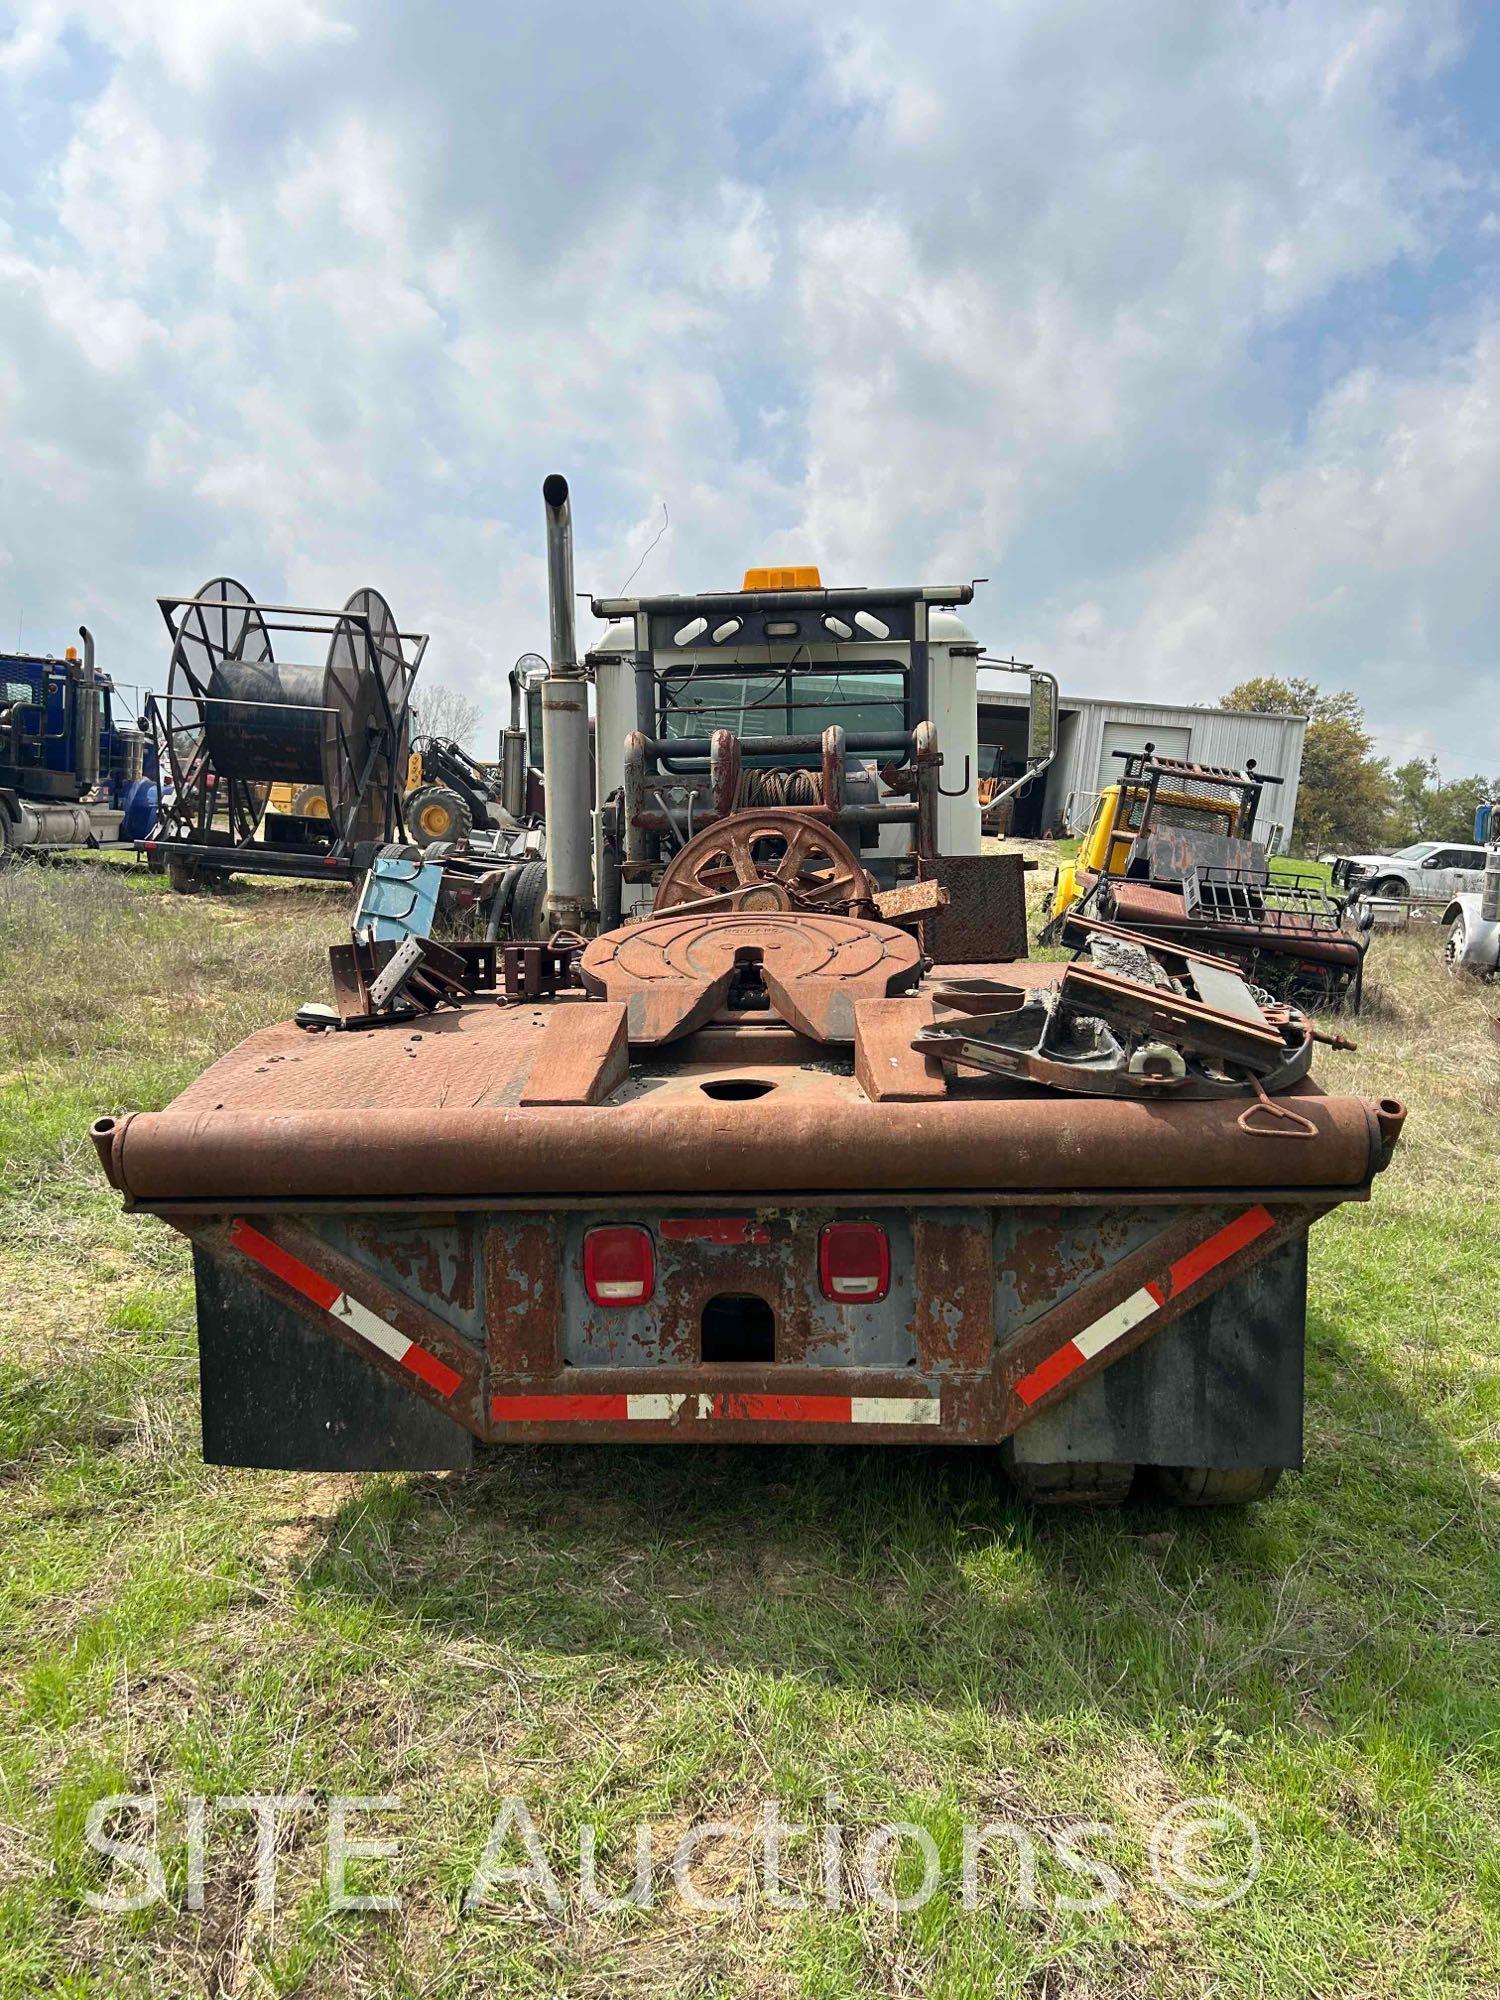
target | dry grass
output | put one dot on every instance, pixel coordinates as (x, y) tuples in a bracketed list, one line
[(617, 1633)]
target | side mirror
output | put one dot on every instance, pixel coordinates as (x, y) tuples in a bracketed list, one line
[(1041, 719)]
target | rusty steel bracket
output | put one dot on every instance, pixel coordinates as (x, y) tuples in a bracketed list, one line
[(535, 971), (379, 982), (909, 900)]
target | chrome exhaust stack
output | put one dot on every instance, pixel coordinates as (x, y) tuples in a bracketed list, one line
[(565, 734)]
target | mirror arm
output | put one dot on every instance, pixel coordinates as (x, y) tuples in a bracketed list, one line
[(1034, 766)]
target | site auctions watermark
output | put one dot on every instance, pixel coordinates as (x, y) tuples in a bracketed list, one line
[(1203, 1853)]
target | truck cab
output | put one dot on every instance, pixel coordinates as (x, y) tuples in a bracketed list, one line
[(1472, 919), (70, 774), (777, 663)]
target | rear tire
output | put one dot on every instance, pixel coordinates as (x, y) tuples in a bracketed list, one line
[(528, 911), (437, 812), (1216, 1485), (183, 876), (1084, 1484)]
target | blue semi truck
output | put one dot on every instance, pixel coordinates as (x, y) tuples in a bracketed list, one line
[(71, 775)]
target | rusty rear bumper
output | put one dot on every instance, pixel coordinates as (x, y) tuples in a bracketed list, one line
[(674, 1143)]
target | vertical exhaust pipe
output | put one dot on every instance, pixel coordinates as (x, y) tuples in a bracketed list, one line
[(86, 720), (513, 748), (565, 734)]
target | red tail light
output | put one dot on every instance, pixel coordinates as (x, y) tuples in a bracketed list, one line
[(619, 1265), (854, 1262)]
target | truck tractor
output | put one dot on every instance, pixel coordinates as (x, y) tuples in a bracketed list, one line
[(777, 1135), (70, 774), (1472, 918)]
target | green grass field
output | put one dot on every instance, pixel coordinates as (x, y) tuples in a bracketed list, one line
[(619, 1635)]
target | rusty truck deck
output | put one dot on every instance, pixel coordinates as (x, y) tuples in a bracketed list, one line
[(395, 1227)]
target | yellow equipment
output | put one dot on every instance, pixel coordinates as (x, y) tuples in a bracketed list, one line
[(1118, 816), (301, 801)]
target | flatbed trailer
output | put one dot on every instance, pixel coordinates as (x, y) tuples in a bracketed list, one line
[(690, 1178), (397, 1238)]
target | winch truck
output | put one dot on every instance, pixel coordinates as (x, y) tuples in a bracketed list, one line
[(688, 1180), (70, 774)]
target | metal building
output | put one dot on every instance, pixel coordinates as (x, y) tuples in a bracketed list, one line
[(1091, 730)]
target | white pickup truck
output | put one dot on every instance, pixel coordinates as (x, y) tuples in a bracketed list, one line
[(1428, 870)]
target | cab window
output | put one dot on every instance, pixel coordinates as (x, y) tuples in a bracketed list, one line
[(782, 701)]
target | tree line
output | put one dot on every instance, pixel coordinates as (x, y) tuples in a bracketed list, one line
[(1348, 797)]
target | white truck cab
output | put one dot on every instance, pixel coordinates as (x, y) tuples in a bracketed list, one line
[(779, 662)]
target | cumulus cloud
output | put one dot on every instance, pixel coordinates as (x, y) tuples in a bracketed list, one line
[(1144, 313)]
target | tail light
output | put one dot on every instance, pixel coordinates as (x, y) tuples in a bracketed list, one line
[(619, 1265), (854, 1262)]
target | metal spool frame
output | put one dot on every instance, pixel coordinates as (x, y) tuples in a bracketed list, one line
[(235, 719)]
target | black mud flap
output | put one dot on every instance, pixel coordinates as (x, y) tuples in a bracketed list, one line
[(1221, 1386), (278, 1394)]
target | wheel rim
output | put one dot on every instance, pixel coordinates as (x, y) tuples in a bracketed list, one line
[(798, 855)]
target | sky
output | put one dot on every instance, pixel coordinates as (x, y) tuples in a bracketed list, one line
[(1179, 322)]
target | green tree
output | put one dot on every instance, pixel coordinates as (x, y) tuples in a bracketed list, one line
[(1345, 795), (1428, 809)]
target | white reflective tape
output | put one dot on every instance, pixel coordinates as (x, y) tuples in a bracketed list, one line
[(1117, 1321), (895, 1410), (662, 1408), (375, 1330)]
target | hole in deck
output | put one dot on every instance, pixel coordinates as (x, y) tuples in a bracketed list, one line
[(733, 1087), (737, 1326)]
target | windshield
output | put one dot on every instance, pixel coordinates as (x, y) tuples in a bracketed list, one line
[(1418, 851), (782, 701)]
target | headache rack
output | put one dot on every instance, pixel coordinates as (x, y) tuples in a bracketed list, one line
[(1195, 788), (1251, 897)]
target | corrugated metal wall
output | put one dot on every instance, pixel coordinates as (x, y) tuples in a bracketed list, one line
[(1217, 737)]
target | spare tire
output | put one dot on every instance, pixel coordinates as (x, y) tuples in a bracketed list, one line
[(437, 812)]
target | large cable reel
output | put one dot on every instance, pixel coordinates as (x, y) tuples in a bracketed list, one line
[(238, 720)]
